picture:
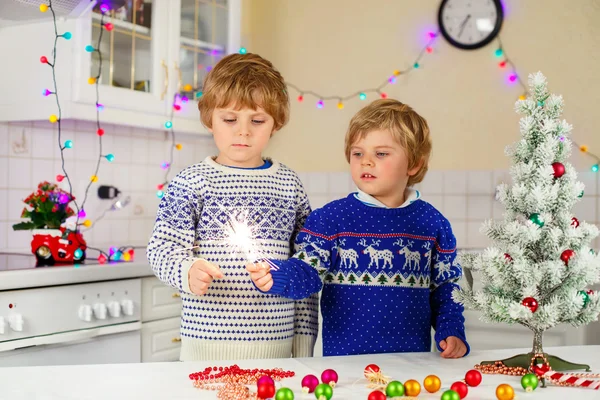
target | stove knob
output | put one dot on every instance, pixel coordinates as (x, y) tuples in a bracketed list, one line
[(1, 325), (127, 307), (85, 312), (100, 310), (114, 309), (16, 322)]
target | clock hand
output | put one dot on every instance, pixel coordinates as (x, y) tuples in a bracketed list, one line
[(464, 23)]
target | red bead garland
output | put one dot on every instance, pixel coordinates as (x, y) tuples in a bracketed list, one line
[(230, 382)]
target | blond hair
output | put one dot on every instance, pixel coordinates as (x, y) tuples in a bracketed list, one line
[(245, 80), (407, 127)]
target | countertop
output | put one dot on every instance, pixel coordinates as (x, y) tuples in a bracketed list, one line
[(67, 274), (171, 381)]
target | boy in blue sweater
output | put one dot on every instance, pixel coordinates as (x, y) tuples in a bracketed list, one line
[(384, 258)]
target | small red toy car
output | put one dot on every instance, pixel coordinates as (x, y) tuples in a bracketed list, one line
[(58, 246)]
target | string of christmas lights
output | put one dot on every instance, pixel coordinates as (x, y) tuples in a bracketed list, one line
[(68, 144), (178, 99)]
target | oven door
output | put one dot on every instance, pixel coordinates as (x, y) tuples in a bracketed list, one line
[(106, 345)]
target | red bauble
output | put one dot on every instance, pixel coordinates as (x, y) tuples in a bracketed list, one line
[(566, 256), (559, 169), (507, 257), (473, 377), (574, 222), (377, 395), (530, 303), (371, 368), (265, 390), (461, 388)]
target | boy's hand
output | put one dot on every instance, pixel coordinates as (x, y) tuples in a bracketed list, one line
[(453, 347), (201, 275), (261, 276)]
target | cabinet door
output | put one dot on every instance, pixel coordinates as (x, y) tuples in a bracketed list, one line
[(207, 30), (134, 59), (159, 300), (161, 340)]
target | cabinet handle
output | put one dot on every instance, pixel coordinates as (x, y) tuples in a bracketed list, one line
[(180, 78), (176, 340), (166, 68), (175, 295)]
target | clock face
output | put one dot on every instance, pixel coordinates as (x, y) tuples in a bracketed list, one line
[(470, 24)]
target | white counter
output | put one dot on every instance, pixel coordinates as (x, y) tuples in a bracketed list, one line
[(64, 275), (171, 381)]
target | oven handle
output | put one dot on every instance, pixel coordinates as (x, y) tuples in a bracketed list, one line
[(69, 337)]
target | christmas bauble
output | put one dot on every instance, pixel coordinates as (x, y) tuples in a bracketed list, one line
[(309, 383), (585, 296), (432, 383), (284, 394), (507, 257), (377, 395), (265, 390), (330, 377), (505, 392), (540, 369), (371, 369), (529, 382), (450, 395), (265, 379), (394, 389), (537, 219), (323, 391), (473, 377), (461, 388), (567, 255), (530, 303), (412, 388), (574, 222), (559, 169)]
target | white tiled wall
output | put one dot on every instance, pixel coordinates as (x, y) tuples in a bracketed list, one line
[(29, 154)]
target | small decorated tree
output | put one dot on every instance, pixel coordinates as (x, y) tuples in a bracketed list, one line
[(540, 264)]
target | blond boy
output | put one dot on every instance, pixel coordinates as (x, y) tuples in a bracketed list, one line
[(384, 259), (193, 246)]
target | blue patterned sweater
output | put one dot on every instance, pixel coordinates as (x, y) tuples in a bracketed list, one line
[(386, 275), (232, 320)]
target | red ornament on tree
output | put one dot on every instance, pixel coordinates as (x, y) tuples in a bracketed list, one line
[(530, 303), (507, 257), (377, 395), (559, 169), (590, 292), (473, 377), (567, 255), (574, 222), (461, 388)]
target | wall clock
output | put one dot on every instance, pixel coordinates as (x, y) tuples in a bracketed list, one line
[(470, 24)]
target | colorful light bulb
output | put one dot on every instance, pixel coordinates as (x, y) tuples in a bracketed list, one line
[(512, 77), (432, 35), (320, 104), (53, 118), (243, 50), (168, 124), (416, 65), (67, 35), (176, 107), (59, 178), (91, 80), (94, 178), (78, 253), (184, 99), (179, 146), (502, 64), (100, 107), (383, 95), (164, 165), (100, 132), (101, 258), (362, 96), (199, 94), (44, 60), (498, 52), (82, 213), (43, 8), (46, 92), (109, 26), (69, 144), (160, 194), (429, 49), (187, 88), (89, 48), (300, 98), (340, 105), (396, 72), (392, 79), (87, 223), (160, 186), (110, 157), (104, 8), (595, 168)]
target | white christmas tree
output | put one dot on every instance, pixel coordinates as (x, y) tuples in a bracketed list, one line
[(540, 264)]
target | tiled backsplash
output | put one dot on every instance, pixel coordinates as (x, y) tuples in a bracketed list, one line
[(29, 154)]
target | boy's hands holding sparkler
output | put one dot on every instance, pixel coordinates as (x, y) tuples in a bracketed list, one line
[(201, 275), (260, 273)]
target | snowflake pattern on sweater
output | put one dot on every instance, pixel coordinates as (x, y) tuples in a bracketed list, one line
[(195, 211), (386, 275)]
